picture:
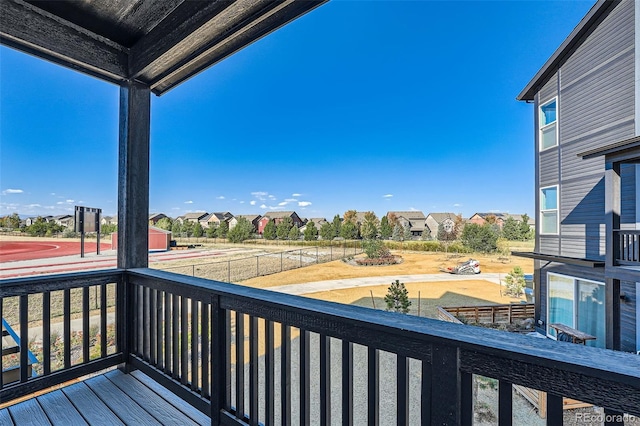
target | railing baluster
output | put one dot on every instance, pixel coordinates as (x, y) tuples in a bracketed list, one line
[(1, 340), (325, 379), (146, 330), (138, 330), (253, 371), (305, 377), (24, 337), (175, 336), (347, 382), (219, 374), (227, 359), (505, 403), (194, 345), (153, 325), (239, 365), (103, 320), (373, 386), (204, 350), (159, 329), (285, 375), (46, 333), (184, 340), (554, 409), (269, 369), (425, 393), (466, 400), (402, 382), (85, 324), (167, 332), (67, 327)]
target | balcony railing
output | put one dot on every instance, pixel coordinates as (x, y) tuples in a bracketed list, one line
[(628, 243), (248, 355)]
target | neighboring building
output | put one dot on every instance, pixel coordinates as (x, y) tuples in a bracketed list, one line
[(254, 219), (413, 219), (155, 217), (317, 221), (215, 219), (587, 141), (277, 217), (109, 220), (434, 220), (192, 217), (66, 220), (481, 218)]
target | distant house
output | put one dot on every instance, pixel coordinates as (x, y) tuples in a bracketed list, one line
[(192, 217), (278, 217), (155, 217), (413, 219), (65, 220), (216, 218), (109, 220), (317, 221), (434, 220), (253, 219), (481, 218)]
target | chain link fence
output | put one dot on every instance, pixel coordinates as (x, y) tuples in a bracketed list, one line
[(237, 270)]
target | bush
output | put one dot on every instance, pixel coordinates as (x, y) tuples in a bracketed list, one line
[(479, 238), (375, 249), (397, 298), (514, 282)]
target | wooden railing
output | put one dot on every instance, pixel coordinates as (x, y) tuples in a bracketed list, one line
[(68, 322), (252, 356), (628, 243), (488, 314)]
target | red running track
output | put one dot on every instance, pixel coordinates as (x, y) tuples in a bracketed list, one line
[(11, 251)]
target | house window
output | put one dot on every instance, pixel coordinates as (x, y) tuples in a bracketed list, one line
[(549, 210), (548, 125), (578, 304)]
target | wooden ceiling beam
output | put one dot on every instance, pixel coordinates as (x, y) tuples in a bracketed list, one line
[(37, 32)]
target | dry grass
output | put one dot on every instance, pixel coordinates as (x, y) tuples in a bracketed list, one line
[(432, 294), (413, 263)]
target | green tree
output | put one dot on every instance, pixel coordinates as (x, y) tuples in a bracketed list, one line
[(385, 228), (212, 230), (11, 222), (176, 228), (349, 231), (197, 230), (311, 232), (446, 235), (223, 229), (375, 249), (294, 233), (370, 226), (511, 229), (283, 228), (108, 228), (514, 282), (407, 233), (397, 298), (326, 231), (398, 232), (336, 225), (526, 233), (480, 238), (164, 223), (242, 231), (187, 228), (269, 231)]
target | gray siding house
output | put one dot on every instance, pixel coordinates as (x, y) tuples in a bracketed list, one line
[(587, 124)]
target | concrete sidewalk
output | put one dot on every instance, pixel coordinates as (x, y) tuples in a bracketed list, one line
[(313, 287)]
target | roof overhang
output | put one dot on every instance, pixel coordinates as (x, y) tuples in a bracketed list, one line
[(586, 26), (159, 43), (627, 150), (561, 259)]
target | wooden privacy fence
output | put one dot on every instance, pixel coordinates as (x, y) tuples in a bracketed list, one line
[(487, 314)]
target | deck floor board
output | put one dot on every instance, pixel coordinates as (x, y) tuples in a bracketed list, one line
[(113, 398)]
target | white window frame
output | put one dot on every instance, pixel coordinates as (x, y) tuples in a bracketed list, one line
[(542, 128), (557, 210), (575, 299)]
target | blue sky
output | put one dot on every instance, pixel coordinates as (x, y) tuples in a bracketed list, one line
[(365, 105)]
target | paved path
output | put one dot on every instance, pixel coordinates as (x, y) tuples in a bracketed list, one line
[(313, 287)]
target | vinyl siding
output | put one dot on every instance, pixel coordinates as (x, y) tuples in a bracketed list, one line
[(629, 195)]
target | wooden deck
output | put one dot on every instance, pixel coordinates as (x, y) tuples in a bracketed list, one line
[(113, 398)]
